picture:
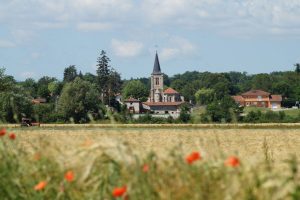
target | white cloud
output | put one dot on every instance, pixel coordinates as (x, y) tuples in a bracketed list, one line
[(94, 26), (168, 53), (6, 44), (177, 46), (258, 16), (35, 55), (22, 35), (126, 48)]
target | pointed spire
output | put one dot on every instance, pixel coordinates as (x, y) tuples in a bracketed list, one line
[(156, 68)]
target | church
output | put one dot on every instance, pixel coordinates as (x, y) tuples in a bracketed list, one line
[(160, 102)]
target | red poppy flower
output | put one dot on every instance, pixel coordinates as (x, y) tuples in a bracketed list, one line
[(145, 168), (232, 161), (69, 176), (2, 132), (119, 192), (194, 156), (41, 185), (12, 136), (37, 156)]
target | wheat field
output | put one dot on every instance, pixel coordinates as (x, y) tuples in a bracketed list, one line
[(247, 143), (150, 162)]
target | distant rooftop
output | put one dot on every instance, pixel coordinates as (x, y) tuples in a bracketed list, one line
[(132, 100), (256, 93), (170, 91)]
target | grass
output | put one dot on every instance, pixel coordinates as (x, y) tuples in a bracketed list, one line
[(105, 158), (289, 112)]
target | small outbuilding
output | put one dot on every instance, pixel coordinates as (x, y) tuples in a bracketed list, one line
[(133, 105)]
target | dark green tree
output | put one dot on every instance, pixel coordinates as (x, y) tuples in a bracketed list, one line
[(262, 82), (297, 70), (103, 75), (114, 83), (70, 73)]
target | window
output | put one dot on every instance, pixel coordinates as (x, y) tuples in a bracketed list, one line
[(259, 98), (156, 81)]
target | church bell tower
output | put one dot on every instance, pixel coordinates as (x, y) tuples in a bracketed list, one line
[(157, 82)]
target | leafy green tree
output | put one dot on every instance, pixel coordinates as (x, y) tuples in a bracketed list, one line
[(30, 86), (253, 117), (221, 89), (189, 90), (54, 88), (204, 96), (43, 90), (262, 81), (6, 82), (178, 84), (14, 105), (184, 113), (90, 78), (70, 73), (282, 88), (80, 102), (135, 89), (44, 112), (224, 110)]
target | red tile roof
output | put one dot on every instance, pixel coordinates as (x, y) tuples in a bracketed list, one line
[(170, 91), (163, 103), (238, 98), (276, 98), (256, 93), (132, 100)]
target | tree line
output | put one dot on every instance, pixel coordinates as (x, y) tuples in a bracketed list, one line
[(82, 98)]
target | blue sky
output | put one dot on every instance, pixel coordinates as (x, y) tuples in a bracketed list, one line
[(40, 37)]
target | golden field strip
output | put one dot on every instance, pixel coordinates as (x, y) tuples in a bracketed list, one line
[(211, 140), (104, 157), (248, 125)]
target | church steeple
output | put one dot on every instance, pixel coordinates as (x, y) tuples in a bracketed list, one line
[(156, 68), (157, 82)]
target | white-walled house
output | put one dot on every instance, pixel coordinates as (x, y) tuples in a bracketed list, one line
[(133, 105)]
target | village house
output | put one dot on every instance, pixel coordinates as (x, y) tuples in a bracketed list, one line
[(259, 98), (133, 105), (160, 102)]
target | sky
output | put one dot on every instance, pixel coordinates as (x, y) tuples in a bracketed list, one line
[(39, 37)]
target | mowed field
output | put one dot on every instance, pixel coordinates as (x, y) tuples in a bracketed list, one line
[(248, 143)]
